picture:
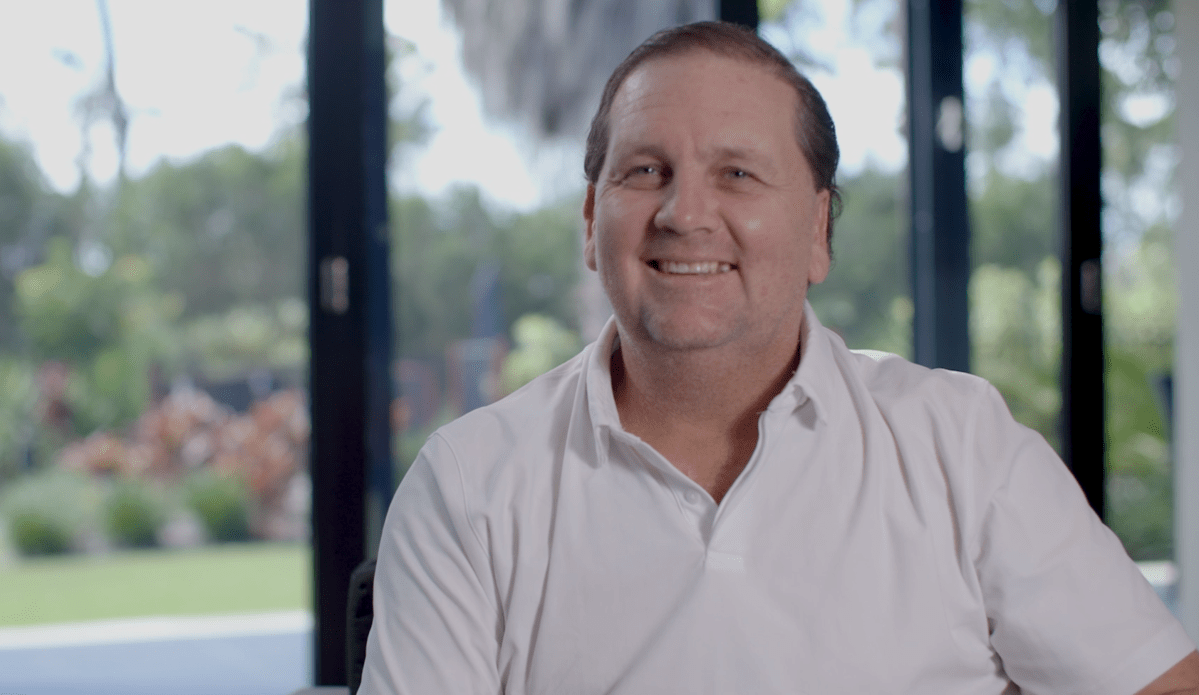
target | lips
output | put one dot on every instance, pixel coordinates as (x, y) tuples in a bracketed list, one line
[(692, 268)]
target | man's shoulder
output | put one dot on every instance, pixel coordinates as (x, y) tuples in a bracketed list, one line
[(956, 419), (528, 416), (501, 458), (917, 401), (894, 380)]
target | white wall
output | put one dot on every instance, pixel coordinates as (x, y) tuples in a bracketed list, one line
[(1186, 359)]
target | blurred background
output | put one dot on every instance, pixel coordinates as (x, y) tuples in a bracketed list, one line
[(154, 424)]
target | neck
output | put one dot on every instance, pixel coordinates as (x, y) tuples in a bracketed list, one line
[(700, 409), (698, 387)]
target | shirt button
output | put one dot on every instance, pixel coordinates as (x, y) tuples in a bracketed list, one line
[(691, 496)]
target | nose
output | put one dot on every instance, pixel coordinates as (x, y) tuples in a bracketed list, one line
[(688, 205)]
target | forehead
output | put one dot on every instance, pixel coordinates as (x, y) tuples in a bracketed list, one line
[(705, 95)]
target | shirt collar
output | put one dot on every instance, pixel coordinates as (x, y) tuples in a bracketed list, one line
[(813, 380), (601, 404), (816, 376)]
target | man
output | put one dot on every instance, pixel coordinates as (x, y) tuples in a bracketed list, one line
[(717, 496)]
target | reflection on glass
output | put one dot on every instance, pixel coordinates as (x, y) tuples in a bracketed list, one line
[(152, 330)]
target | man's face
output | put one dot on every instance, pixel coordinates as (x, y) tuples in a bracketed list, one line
[(705, 225)]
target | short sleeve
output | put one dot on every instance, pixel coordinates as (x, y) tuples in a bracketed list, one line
[(436, 626), (1069, 611)]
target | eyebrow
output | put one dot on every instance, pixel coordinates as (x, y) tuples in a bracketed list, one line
[(753, 157), (722, 152)]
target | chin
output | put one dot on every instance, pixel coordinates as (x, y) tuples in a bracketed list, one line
[(688, 334)]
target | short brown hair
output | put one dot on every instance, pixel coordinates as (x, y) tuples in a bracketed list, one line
[(814, 126)]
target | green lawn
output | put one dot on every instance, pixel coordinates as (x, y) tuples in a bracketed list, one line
[(222, 579)]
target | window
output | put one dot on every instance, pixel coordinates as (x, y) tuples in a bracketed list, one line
[(153, 422)]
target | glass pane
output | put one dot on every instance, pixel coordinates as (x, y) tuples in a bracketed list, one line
[(853, 53), (487, 189), (1011, 172), (153, 421), (487, 186), (1141, 203), (1015, 305)]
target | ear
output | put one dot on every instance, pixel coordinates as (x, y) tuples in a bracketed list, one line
[(589, 235), (820, 257)]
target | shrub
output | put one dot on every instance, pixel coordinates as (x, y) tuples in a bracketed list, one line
[(221, 501), (133, 515), (36, 532), (46, 512), (541, 344)]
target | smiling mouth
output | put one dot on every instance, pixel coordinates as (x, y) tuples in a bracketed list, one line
[(700, 268)]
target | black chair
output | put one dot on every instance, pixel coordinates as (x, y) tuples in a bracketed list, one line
[(360, 613)]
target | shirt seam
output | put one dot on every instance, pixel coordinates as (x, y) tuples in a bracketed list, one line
[(465, 515)]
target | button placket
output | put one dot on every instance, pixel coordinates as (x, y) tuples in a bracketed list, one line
[(690, 501), (696, 507)]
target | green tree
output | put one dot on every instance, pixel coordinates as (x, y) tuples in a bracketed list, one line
[(1015, 328), (110, 327), (24, 203), (541, 343), (18, 399), (222, 230), (437, 247), (1014, 218), (865, 297)]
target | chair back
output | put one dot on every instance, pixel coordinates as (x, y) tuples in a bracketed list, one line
[(360, 613)]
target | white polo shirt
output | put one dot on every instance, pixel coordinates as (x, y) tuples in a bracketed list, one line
[(895, 531)]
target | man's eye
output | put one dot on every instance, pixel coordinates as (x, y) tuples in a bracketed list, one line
[(643, 175), (737, 174)]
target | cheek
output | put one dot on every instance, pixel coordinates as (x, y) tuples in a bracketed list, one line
[(615, 232), (603, 248)]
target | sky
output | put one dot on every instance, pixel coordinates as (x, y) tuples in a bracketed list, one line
[(191, 78), (200, 75), (194, 78)]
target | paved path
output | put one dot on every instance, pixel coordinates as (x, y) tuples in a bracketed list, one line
[(265, 654)]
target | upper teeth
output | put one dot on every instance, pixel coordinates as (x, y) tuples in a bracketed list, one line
[(694, 268)]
